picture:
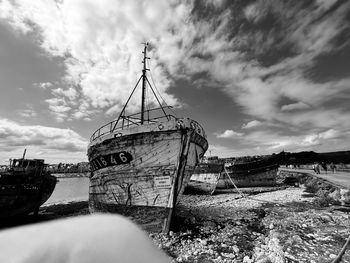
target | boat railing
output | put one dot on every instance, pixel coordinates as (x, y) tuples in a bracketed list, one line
[(132, 120)]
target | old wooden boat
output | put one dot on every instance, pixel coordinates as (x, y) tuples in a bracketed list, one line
[(205, 176), (24, 187), (249, 172), (141, 162)]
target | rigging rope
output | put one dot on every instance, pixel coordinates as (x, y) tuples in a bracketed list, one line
[(160, 95), (254, 199), (342, 251)]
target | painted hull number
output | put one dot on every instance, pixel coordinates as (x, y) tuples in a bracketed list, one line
[(110, 160)]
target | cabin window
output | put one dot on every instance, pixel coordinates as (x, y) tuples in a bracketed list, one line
[(17, 163)]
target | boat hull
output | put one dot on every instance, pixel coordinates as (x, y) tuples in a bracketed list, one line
[(205, 178), (145, 187), (23, 198), (263, 178), (203, 184)]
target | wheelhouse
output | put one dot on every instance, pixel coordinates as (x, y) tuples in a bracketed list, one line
[(28, 166)]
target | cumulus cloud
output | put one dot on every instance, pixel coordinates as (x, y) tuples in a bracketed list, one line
[(318, 138), (269, 141), (229, 134), (295, 106), (28, 113), (260, 83), (43, 85), (70, 93), (14, 137), (52, 138), (257, 65), (330, 134), (100, 43), (311, 140), (252, 124), (262, 54), (59, 108)]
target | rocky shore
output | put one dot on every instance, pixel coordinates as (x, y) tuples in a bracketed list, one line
[(282, 224)]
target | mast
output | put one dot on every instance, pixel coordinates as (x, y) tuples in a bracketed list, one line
[(144, 78), (144, 82)]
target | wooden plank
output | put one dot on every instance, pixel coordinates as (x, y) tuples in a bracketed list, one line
[(168, 156)]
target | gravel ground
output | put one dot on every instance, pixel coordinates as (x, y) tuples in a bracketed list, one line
[(279, 226), (286, 225)]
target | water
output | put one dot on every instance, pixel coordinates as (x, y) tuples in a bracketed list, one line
[(70, 189)]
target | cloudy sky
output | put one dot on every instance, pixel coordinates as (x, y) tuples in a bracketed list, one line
[(260, 76)]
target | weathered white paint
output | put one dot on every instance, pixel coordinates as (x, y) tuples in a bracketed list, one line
[(171, 153)]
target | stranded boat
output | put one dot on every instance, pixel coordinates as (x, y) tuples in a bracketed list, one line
[(206, 176), (141, 162), (24, 187), (249, 172)]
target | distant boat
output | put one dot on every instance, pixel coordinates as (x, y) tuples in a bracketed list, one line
[(24, 187), (205, 177), (249, 172), (141, 162)]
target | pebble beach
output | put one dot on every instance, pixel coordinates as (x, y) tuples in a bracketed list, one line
[(281, 224)]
